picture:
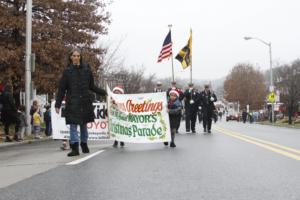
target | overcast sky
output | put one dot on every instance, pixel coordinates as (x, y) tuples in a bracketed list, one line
[(218, 30)]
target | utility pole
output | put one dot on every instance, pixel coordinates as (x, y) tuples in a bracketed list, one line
[(28, 62)]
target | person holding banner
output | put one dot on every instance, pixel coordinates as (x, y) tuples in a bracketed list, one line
[(174, 109), (181, 96), (76, 83), (118, 90)]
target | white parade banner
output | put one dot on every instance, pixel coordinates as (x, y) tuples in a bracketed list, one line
[(138, 118), (97, 130)]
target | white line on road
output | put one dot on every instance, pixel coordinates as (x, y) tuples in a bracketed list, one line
[(75, 162)]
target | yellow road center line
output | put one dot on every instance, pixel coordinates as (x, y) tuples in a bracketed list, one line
[(264, 141), (279, 151)]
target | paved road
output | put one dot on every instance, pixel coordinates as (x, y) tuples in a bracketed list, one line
[(238, 161)]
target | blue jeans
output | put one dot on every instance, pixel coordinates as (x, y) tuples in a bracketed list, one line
[(74, 133)]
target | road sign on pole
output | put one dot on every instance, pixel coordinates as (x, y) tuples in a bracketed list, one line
[(272, 97)]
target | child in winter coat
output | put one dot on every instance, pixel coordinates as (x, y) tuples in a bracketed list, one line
[(174, 109), (36, 123)]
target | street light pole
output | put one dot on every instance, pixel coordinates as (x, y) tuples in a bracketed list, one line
[(28, 61), (271, 89)]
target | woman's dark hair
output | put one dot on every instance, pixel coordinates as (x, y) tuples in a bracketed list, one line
[(72, 51)]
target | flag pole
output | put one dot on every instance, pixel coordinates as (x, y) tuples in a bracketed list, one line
[(191, 57), (173, 79)]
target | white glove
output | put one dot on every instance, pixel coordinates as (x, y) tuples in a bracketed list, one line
[(212, 99), (200, 107)]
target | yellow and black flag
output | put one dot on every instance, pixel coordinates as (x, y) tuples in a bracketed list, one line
[(185, 54)]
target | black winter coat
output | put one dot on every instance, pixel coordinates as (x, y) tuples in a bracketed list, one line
[(188, 96), (76, 84), (174, 112), (206, 103), (9, 110)]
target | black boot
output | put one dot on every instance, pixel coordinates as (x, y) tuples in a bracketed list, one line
[(84, 147), (115, 144), (7, 139), (75, 150), (166, 143), (122, 144), (172, 144)]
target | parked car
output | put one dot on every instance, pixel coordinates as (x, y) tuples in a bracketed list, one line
[(235, 117)]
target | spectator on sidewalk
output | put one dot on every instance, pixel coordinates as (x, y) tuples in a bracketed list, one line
[(36, 124), (47, 120), (9, 113), (244, 115), (23, 123), (1, 90), (34, 106)]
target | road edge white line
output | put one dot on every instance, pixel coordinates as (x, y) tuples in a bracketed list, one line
[(80, 160)]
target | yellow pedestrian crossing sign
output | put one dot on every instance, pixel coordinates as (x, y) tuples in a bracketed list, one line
[(271, 97)]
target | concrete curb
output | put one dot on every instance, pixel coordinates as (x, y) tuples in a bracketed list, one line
[(278, 125), (30, 141), (107, 142)]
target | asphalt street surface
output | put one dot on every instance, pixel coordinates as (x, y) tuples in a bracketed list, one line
[(237, 161)]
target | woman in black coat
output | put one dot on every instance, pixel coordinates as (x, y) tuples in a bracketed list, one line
[(76, 84)]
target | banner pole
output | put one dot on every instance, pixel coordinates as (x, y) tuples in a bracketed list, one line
[(191, 57), (173, 79)]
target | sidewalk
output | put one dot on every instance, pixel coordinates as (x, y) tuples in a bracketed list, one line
[(279, 124), (27, 140), (30, 139)]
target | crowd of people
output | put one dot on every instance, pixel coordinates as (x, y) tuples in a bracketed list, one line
[(194, 103), (75, 85), (13, 115)]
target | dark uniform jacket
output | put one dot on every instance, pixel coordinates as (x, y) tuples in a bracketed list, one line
[(206, 102), (188, 96), (76, 84)]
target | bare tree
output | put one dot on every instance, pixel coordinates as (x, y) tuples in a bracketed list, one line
[(288, 82), (245, 85)]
